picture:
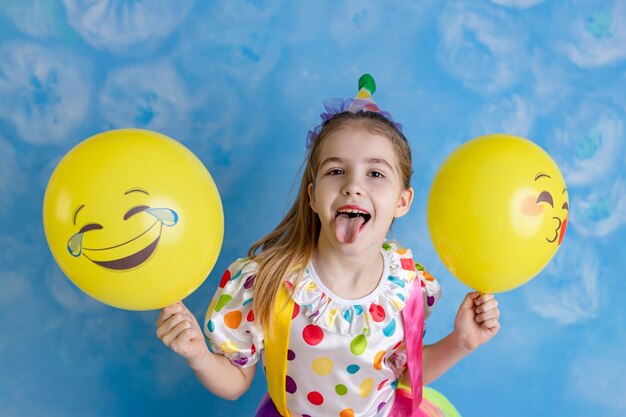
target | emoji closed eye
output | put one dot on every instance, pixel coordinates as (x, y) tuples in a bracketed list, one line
[(545, 197), (135, 210), (90, 226)]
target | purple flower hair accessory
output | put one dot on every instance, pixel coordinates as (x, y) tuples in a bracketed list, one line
[(362, 102)]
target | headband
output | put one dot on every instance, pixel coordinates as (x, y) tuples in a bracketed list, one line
[(362, 102)]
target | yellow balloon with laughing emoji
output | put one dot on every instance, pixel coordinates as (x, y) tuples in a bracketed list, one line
[(497, 212), (133, 218)]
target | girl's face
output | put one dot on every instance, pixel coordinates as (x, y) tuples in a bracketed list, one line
[(358, 190)]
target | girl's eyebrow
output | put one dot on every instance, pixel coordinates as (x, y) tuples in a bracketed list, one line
[(335, 159)]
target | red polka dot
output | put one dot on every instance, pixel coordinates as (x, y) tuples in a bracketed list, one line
[(315, 398), (408, 264), (225, 278), (252, 350), (382, 384), (296, 310), (397, 345), (250, 316), (312, 334), (377, 312)]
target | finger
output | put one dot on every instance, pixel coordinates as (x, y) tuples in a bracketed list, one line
[(176, 331), (483, 298), (169, 311), (488, 315), (491, 304), (167, 326), (470, 297), (493, 325)]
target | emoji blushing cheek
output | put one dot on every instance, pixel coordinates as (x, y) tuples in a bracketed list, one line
[(530, 206), (562, 232)]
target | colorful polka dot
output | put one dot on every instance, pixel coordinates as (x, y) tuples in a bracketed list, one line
[(291, 355), (225, 279), (358, 345), (381, 405), (296, 310), (341, 389), (312, 334), (232, 320), (365, 388), (322, 366), (210, 325), (347, 315), (394, 384), (378, 360), (224, 299), (381, 385), (390, 329), (315, 398), (248, 301), (353, 369), (249, 282), (358, 309), (229, 347), (397, 345), (396, 281), (253, 349), (407, 264), (290, 385), (250, 316), (332, 315), (346, 412), (378, 312)]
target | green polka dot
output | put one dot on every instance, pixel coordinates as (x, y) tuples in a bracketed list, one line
[(358, 345), (224, 299), (341, 389)]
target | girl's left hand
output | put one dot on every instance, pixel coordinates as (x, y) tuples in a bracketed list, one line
[(476, 321)]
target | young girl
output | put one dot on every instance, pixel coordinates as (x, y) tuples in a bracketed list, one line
[(334, 310)]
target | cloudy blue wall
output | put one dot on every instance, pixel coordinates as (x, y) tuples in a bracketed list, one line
[(240, 83)]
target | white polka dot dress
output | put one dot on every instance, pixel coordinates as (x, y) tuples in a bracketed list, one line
[(344, 357)]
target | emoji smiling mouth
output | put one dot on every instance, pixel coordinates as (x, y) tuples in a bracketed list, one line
[(116, 258)]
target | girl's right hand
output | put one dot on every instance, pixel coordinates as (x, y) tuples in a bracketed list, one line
[(179, 330)]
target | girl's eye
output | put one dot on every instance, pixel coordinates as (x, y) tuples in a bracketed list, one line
[(335, 171), (376, 174)]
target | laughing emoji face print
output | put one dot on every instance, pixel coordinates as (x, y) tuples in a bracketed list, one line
[(497, 212), (133, 218)]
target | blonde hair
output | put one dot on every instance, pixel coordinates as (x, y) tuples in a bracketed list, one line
[(289, 247)]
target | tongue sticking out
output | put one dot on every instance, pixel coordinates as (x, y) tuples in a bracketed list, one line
[(347, 228)]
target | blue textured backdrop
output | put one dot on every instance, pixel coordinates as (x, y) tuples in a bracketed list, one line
[(240, 83)]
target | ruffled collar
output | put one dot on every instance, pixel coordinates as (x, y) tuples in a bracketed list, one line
[(376, 311)]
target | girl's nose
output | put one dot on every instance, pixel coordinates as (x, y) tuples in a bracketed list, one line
[(352, 187)]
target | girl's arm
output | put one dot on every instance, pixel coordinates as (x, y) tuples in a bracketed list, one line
[(179, 330), (476, 322)]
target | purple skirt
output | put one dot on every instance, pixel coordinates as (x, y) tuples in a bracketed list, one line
[(267, 408)]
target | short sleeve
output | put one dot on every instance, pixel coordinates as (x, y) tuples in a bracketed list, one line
[(430, 288), (229, 324)]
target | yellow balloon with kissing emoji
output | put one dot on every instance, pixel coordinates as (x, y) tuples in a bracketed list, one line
[(497, 212), (133, 218)]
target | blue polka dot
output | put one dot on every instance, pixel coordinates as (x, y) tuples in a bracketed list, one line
[(394, 384), (210, 325), (353, 369), (400, 296), (358, 309), (390, 329), (248, 301), (396, 281), (348, 315)]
